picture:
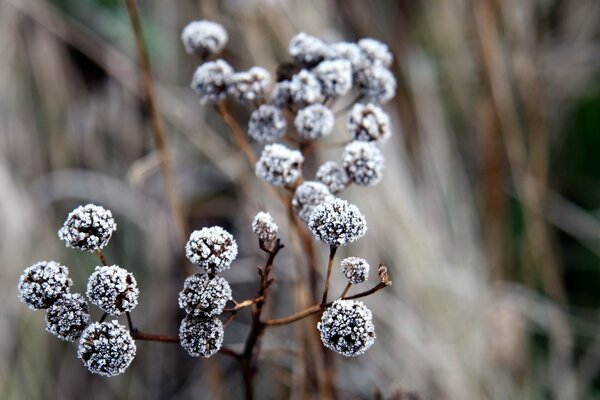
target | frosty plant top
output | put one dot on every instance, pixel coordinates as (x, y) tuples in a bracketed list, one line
[(88, 228)]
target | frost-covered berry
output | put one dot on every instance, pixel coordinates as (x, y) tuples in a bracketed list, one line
[(376, 83), (306, 49), (305, 88), (332, 175), (308, 195), (210, 81), (337, 222), (249, 86), (201, 336), (347, 328), (363, 162), (88, 228), (355, 269), (68, 317), (264, 227), (314, 121), (204, 295), (43, 283), (347, 51), (266, 124), (113, 289), (281, 95), (375, 51), (204, 38), (279, 165), (335, 77), (213, 249), (106, 348), (368, 122)]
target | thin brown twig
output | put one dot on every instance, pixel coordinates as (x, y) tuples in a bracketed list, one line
[(238, 134), (102, 257), (153, 337), (243, 304), (346, 289), (332, 251)]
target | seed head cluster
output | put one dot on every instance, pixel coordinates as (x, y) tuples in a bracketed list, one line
[(308, 195), (368, 123), (355, 269), (213, 249), (201, 336), (314, 121), (68, 317), (88, 228), (279, 165), (203, 294), (249, 86), (264, 227), (337, 222), (332, 175), (204, 38), (363, 163), (44, 283), (113, 289), (266, 124)]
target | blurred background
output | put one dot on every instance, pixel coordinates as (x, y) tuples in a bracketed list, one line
[(488, 215)]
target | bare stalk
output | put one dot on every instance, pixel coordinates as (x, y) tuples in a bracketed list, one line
[(332, 251), (101, 256), (346, 289)]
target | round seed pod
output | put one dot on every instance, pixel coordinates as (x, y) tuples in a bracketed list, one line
[(305, 88), (281, 95), (368, 123), (204, 38), (363, 163), (266, 124), (355, 269), (264, 227), (201, 336), (347, 328), (335, 77), (113, 289), (332, 175), (375, 51), (210, 81), (376, 83), (307, 50), (249, 86), (88, 228), (68, 317), (347, 51), (337, 222), (314, 121), (213, 249), (308, 195), (43, 283), (279, 165), (106, 348), (204, 295)]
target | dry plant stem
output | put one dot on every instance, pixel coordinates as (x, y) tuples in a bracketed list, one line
[(346, 289), (238, 134), (101, 256), (171, 189), (332, 251), (243, 304)]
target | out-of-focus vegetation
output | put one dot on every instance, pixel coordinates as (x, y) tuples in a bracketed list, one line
[(488, 215)]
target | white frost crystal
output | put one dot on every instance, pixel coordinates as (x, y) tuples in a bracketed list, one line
[(88, 228), (337, 222), (213, 249), (347, 328), (375, 51), (204, 295), (43, 283), (249, 86), (279, 165), (204, 38), (347, 51), (113, 289), (306, 49), (264, 227), (332, 175), (376, 83), (201, 336), (363, 162), (211, 80), (308, 195), (266, 124), (368, 122), (305, 88), (106, 348), (314, 121), (335, 77), (68, 317), (355, 269)]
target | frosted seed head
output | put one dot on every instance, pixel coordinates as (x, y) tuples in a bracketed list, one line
[(43, 283), (266, 124), (363, 163), (264, 227), (347, 51), (113, 289), (368, 122), (332, 175), (337, 222), (307, 50), (204, 38), (314, 121), (249, 86), (210, 81), (279, 165), (347, 328), (376, 83), (305, 88), (355, 269), (308, 195), (68, 317), (335, 77), (204, 295), (201, 336), (106, 348), (88, 228), (375, 51), (281, 95), (213, 249)]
